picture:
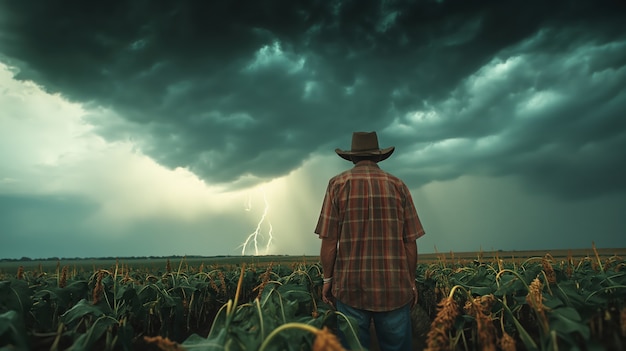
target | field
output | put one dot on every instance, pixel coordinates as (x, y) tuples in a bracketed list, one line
[(524, 300), (8, 267)]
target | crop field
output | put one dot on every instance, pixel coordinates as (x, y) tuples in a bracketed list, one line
[(555, 300)]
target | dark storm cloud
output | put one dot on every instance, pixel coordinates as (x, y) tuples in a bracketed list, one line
[(552, 116), (235, 88)]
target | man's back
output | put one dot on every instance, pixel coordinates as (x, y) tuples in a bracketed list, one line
[(369, 226), (371, 214)]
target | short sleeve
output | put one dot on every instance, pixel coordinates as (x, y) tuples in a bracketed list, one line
[(413, 228), (328, 222)]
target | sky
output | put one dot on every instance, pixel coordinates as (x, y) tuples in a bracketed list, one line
[(154, 128)]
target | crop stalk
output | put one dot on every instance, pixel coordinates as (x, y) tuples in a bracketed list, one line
[(55, 344)]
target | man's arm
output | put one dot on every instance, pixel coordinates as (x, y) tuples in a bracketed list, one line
[(410, 249), (328, 253)]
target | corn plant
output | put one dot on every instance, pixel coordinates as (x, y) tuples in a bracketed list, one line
[(533, 303)]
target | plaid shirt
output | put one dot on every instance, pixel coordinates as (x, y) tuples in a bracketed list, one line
[(371, 214)]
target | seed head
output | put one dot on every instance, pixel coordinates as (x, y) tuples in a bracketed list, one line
[(535, 300), (486, 330), (213, 285), (98, 288), (507, 343), (265, 278), (63, 279), (326, 341), (438, 338), (546, 262), (220, 275), (535, 296), (163, 344)]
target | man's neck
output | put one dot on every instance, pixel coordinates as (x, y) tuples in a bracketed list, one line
[(365, 163)]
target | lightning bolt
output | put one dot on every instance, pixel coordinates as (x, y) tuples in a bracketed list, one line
[(256, 236)]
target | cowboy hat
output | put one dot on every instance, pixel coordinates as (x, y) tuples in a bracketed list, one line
[(365, 144)]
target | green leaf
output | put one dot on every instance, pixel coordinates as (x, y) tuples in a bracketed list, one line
[(528, 341), (552, 302), (15, 295), (481, 290), (349, 327), (7, 320), (565, 321), (81, 309), (509, 285), (125, 334), (296, 292), (569, 313), (196, 342), (87, 340), (12, 330)]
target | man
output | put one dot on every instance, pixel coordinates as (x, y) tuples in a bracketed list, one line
[(369, 226)]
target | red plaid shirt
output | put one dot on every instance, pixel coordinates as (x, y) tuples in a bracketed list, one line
[(371, 214)]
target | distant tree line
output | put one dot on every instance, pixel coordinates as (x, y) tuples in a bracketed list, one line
[(26, 259)]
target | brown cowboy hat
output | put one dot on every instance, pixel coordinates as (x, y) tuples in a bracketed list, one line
[(365, 144)]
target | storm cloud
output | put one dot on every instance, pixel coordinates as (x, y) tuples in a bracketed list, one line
[(162, 127), (237, 90)]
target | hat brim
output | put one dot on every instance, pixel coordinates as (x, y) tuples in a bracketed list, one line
[(381, 154)]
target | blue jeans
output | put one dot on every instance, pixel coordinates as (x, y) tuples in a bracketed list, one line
[(393, 328)]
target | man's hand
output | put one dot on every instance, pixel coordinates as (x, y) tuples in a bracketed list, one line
[(327, 295), (415, 297)]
